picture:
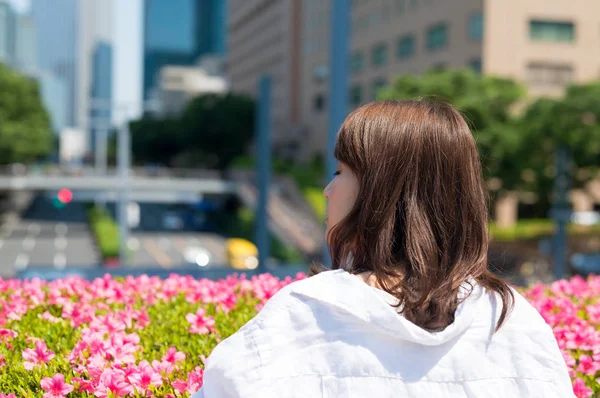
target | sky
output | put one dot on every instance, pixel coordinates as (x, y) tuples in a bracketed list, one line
[(127, 68)]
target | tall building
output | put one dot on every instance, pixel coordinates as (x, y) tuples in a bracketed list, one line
[(57, 27), (264, 38), (7, 33), (54, 92), (94, 69), (543, 44), (101, 90), (178, 33), (26, 45)]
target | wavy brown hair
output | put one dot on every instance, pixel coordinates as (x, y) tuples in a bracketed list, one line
[(419, 224)]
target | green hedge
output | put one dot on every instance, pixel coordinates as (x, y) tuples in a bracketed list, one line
[(536, 229), (106, 231)]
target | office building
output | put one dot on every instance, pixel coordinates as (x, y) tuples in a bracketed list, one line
[(54, 92), (94, 69), (26, 45), (7, 33), (56, 29), (101, 92), (264, 38), (178, 33), (543, 44), (178, 85)]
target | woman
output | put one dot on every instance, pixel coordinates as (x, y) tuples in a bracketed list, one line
[(410, 308)]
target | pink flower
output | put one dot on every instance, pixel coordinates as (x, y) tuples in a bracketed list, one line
[(55, 387), (173, 356), (114, 382), (193, 384), (40, 356), (581, 390), (47, 316), (163, 367), (11, 395), (200, 324), (587, 365), (83, 385), (2, 362), (145, 377)]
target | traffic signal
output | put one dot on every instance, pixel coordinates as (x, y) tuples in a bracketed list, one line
[(65, 196), (62, 198)]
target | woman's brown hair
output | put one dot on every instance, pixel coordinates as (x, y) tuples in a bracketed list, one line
[(419, 224)]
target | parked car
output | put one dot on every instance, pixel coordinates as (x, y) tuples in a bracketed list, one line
[(241, 253)]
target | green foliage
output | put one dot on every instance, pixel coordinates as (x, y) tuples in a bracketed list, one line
[(155, 140), (213, 130), (221, 126), (486, 103), (573, 122), (25, 131), (106, 231), (536, 229)]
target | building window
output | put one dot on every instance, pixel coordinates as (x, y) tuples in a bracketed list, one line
[(319, 102), (357, 61), (475, 65), (355, 95), (379, 54), (376, 86), (400, 6), (320, 73), (476, 26), (437, 36), (551, 31), (406, 47), (549, 74)]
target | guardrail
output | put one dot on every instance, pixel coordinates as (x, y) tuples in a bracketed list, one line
[(50, 274)]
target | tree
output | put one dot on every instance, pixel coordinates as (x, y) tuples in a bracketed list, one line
[(572, 122), (155, 140), (25, 129), (486, 103), (218, 127)]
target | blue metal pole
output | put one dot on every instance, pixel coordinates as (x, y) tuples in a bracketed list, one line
[(124, 164), (561, 211), (263, 160), (338, 84)]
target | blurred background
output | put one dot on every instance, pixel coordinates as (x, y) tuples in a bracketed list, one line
[(134, 137)]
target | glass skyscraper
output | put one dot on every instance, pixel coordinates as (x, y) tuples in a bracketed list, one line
[(56, 30), (7, 33), (179, 32)]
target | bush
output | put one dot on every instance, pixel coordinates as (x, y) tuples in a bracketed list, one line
[(106, 231), (122, 331)]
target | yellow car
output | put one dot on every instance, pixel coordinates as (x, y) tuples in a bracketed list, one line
[(241, 253)]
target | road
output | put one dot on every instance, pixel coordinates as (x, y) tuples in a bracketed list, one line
[(46, 237), (154, 244)]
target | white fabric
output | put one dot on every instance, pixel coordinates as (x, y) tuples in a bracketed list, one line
[(332, 335)]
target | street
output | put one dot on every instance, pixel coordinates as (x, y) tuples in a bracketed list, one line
[(156, 243), (58, 238), (44, 236)]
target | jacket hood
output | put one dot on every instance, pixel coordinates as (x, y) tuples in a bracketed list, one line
[(359, 302)]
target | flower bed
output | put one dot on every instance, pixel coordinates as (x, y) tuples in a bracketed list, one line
[(147, 337)]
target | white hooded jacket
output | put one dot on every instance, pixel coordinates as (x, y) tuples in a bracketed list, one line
[(332, 335)]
